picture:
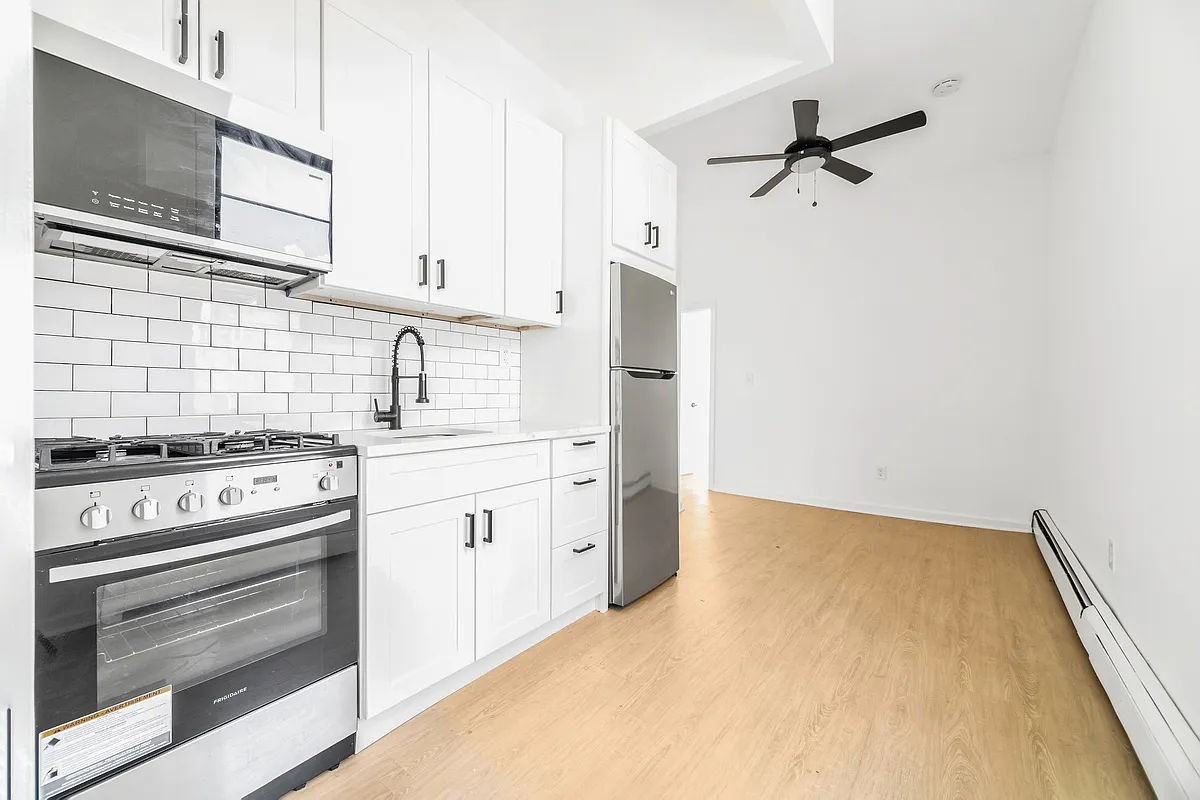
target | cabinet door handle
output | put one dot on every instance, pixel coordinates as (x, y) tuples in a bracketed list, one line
[(560, 301), (584, 549), (424, 259), (588, 443), (220, 71), (470, 542), (649, 228), (184, 24), (488, 526), (655, 245), (584, 482), (441, 264)]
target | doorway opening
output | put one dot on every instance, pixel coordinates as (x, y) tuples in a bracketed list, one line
[(695, 397)]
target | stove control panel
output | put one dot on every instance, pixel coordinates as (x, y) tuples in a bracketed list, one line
[(109, 509)]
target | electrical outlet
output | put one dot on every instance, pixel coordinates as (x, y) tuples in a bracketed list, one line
[(881, 473), (1112, 556), (505, 353)]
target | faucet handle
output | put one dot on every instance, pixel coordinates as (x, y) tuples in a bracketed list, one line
[(375, 401)]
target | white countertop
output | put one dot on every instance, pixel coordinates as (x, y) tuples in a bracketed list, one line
[(377, 442)]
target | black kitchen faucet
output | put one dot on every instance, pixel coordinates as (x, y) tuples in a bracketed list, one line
[(392, 415)]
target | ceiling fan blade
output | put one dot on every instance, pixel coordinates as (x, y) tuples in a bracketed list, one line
[(741, 159), (805, 114), (898, 125), (776, 179), (845, 170)]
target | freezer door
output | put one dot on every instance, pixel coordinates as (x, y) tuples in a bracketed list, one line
[(645, 470), (644, 320)]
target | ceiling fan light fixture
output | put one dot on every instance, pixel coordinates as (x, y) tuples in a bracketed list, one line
[(947, 87), (807, 164)]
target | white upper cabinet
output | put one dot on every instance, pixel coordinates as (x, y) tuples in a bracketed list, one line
[(643, 197), (381, 179), (466, 193), (533, 222), (161, 30), (419, 599), (512, 567), (268, 51)]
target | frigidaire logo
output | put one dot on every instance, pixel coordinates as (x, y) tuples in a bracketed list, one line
[(225, 697)]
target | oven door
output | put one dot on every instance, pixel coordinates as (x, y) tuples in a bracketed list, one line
[(229, 615)]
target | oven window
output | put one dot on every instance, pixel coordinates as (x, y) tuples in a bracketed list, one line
[(186, 625)]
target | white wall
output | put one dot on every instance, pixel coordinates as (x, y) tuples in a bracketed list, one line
[(16, 409), (1122, 421), (891, 326)]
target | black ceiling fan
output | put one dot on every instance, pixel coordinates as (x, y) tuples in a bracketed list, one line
[(811, 152)]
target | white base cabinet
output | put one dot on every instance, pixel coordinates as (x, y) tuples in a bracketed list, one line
[(468, 563)]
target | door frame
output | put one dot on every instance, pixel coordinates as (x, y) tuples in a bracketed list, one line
[(712, 389)]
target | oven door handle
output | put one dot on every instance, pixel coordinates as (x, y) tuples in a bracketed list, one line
[(92, 569)]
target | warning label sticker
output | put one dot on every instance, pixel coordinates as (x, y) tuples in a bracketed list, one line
[(86, 748)]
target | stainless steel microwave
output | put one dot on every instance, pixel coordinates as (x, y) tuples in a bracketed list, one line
[(137, 164)]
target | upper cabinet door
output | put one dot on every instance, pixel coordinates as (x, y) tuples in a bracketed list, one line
[(418, 600), (630, 191), (165, 31), (466, 193), (662, 212), (533, 218), (381, 172), (268, 51), (512, 570)]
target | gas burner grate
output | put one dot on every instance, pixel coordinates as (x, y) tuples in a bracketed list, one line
[(76, 452)]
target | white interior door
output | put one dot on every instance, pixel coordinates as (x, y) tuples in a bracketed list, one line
[(695, 390), (268, 51), (533, 217), (630, 191), (466, 193), (513, 568), (381, 169), (151, 28), (419, 600)]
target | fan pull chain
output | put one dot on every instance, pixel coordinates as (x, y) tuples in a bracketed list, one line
[(815, 189)]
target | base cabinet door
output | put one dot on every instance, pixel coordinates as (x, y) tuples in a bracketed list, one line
[(513, 564), (419, 598)]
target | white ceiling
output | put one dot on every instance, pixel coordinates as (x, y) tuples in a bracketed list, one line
[(1014, 56), (654, 63)]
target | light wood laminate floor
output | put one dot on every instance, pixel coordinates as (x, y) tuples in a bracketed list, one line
[(800, 652)]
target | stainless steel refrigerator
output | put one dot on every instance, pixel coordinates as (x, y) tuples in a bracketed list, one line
[(644, 408)]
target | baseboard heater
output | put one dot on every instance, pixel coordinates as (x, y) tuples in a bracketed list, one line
[(1165, 742)]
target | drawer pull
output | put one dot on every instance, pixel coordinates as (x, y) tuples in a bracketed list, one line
[(588, 443), (584, 549), (584, 482)]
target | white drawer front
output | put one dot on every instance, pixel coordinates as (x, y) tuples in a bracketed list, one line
[(579, 454), (579, 506), (409, 480), (578, 572)]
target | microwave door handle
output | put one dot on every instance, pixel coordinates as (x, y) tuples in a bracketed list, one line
[(159, 558)]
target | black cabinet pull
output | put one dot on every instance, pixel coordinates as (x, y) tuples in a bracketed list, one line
[(655, 245), (560, 301), (470, 542), (220, 71), (583, 444), (441, 264), (649, 228), (584, 549), (424, 259), (584, 482), (184, 24), (488, 526)]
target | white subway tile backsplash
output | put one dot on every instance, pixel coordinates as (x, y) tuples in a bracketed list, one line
[(114, 276), (75, 296), (90, 378), (92, 325), (207, 358), (70, 350), (145, 404), (183, 354), (141, 354), (51, 428)]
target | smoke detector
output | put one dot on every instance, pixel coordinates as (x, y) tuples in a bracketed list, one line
[(947, 87)]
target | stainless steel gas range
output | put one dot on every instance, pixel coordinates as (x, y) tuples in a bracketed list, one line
[(197, 614)]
